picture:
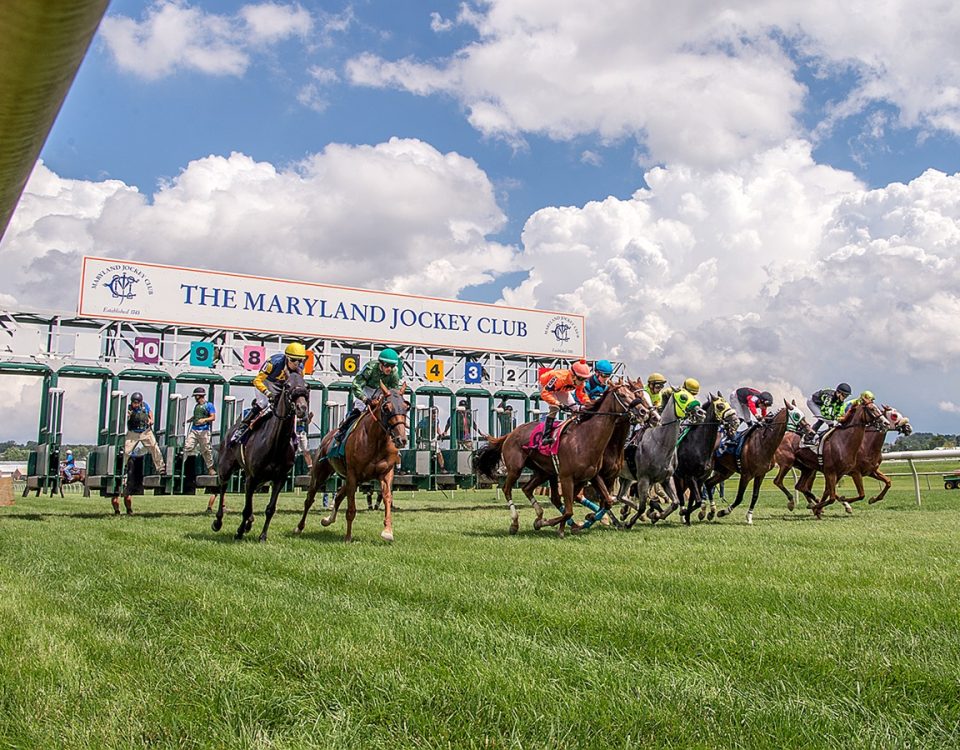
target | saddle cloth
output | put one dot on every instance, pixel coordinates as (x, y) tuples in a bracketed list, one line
[(733, 446), (338, 448), (536, 437)]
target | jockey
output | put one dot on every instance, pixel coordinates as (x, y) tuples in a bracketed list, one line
[(750, 404), (69, 466), (385, 369), (597, 383), (654, 387), (865, 397), (563, 389), (827, 405), (685, 397), (269, 380)]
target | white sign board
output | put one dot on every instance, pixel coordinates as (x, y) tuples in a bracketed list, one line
[(148, 292)]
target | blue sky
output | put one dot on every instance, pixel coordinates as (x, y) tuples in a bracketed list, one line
[(752, 193)]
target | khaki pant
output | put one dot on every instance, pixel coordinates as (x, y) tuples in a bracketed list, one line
[(198, 441), (149, 442)]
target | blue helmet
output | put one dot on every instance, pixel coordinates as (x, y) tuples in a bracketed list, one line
[(603, 367)]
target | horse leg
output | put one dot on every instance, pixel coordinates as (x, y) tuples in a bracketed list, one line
[(757, 481), (876, 474), (386, 490), (857, 478), (671, 490), (351, 510), (741, 490), (271, 508), (511, 479), (569, 493), (641, 487), (319, 474), (337, 499), (778, 482), (247, 516), (528, 488)]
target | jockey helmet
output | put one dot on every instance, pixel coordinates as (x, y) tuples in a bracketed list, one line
[(603, 367), (867, 396), (296, 351), (388, 357), (581, 369), (656, 379), (199, 391), (136, 397), (766, 398), (69, 452), (845, 389), (692, 385)]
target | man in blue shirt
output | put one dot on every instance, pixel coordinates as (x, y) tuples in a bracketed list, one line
[(198, 441), (140, 430)]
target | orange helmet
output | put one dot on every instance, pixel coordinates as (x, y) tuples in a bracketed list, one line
[(581, 369)]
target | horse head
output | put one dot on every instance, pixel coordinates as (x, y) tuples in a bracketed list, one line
[(642, 398), (897, 421), (294, 397), (392, 416), (724, 413)]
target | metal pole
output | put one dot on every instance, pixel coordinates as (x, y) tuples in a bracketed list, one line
[(916, 479)]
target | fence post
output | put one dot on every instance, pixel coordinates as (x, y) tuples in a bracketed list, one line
[(916, 479)]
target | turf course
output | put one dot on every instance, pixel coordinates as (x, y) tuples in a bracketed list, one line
[(152, 631)]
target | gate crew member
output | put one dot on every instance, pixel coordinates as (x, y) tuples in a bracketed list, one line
[(140, 430), (198, 441)]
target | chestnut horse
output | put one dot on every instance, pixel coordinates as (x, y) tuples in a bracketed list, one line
[(579, 458), (839, 451), (871, 453), (266, 455), (756, 459), (372, 451), (797, 429)]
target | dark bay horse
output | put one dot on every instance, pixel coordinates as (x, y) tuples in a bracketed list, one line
[(871, 453), (839, 450), (579, 456), (756, 459), (696, 449), (266, 455), (372, 451), (652, 460)]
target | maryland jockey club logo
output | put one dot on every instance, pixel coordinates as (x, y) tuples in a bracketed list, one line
[(564, 331), (123, 283), (121, 286)]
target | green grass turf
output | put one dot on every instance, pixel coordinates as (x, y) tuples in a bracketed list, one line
[(152, 631)]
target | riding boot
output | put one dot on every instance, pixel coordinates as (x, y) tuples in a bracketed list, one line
[(245, 423), (342, 430), (547, 438)]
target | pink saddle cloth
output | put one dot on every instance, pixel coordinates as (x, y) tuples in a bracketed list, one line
[(534, 443)]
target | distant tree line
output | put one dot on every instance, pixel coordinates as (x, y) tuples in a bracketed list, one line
[(923, 441), (11, 450)]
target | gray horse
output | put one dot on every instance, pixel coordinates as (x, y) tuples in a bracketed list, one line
[(652, 460)]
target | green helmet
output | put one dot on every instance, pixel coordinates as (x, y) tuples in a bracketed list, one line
[(389, 357)]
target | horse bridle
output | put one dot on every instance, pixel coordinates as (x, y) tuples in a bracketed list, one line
[(630, 410), (394, 420)]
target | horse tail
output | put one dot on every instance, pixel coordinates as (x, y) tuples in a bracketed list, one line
[(487, 458)]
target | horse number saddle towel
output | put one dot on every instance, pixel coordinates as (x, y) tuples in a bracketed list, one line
[(536, 438)]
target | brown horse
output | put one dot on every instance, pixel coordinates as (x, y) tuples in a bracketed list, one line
[(371, 451), (755, 460), (839, 450), (784, 458), (579, 456), (79, 475), (871, 453)]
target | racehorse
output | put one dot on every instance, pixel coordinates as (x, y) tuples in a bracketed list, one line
[(370, 451), (79, 475), (578, 461), (653, 460), (871, 453), (754, 461), (785, 456), (267, 453), (838, 455), (696, 449)]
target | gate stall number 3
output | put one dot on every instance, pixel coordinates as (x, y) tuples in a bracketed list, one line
[(473, 372)]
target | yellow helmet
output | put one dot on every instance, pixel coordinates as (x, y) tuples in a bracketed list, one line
[(296, 351), (867, 396), (656, 377), (692, 385)]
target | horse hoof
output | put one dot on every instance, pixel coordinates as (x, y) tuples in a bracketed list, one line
[(298, 530), (217, 524), (848, 508), (262, 538), (790, 505), (590, 517), (710, 515), (701, 515), (873, 500), (238, 536), (749, 520), (724, 512), (325, 521), (538, 523), (387, 536)]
